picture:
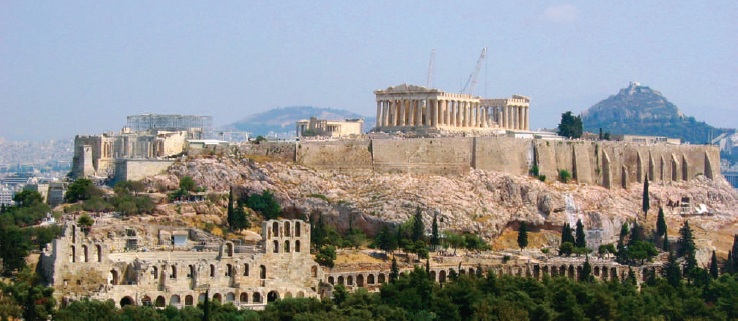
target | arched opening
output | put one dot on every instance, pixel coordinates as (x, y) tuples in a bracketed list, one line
[(471, 272), (229, 270), (275, 229), (314, 271), (246, 269), (160, 302), (72, 254), (230, 297), (350, 280), (613, 273), (173, 274), (579, 272), (360, 280), (154, 272), (126, 301), (288, 295), (562, 270), (244, 298), (286, 246), (113, 277), (229, 249), (341, 280), (262, 272), (545, 270), (85, 257), (536, 271), (297, 246), (370, 279), (201, 297), (191, 271), (571, 271), (300, 294), (331, 280), (605, 273), (297, 229), (287, 229), (256, 298), (99, 252), (272, 296), (442, 276), (432, 276), (146, 301), (381, 279), (276, 246), (218, 297), (212, 270), (174, 300), (189, 300), (596, 271), (462, 272)]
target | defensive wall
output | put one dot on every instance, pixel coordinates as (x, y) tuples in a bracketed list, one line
[(604, 163), (138, 169)]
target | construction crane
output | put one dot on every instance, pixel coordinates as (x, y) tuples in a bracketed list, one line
[(429, 82), (471, 83)]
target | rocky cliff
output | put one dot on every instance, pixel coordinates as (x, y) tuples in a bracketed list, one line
[(481, 201)]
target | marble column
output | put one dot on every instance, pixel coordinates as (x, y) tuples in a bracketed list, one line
[(435, 106), (411, 113), (525, 117), (379, 113), (385, 113), (421, 107), (403, 108), (521, 122)]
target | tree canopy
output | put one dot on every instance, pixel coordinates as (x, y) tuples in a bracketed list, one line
[(570, 125)]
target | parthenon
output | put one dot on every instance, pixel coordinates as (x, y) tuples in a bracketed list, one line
[(406, 106)]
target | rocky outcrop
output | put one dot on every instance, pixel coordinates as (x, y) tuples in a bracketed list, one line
[(482, 202)]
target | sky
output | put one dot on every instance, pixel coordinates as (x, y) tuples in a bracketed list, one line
[(70, 67)]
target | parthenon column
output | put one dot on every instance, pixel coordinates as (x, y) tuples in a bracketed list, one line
[(411, 113), (515, 118), (379, 113), (521, 122), (419, 119), (403, 107), (385, 113), (525, 117), (434, 114)]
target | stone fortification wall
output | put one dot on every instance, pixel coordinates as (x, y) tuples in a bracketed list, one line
[(284, 151), (341, 155), (438, 156), (608, 164), (502, 154), (138, 169)]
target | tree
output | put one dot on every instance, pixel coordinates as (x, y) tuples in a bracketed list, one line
[(661, 225), (240, 218), (564, 176), (27, 198), (435, 239), (666, 246), (394, 271), (687, 248), (386, 240), (523, 236), (230, 215), (14, 247), (570, 125), (566, 234), (186, 183), (326, 255), (455, 240), (580, 240), (586, 274), (672, 272), (735, 253), (566, 248), (318, 232), (80, 190), (85, 222), (265, 204), (714, 266), (646, 200), (418, 228), (728, 264)]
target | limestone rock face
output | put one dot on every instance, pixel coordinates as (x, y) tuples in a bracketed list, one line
[(481, 202)]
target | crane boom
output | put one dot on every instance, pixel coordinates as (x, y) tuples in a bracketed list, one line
[(429, 82), (471, 83)]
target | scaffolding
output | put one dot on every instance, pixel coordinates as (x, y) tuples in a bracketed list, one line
[(173, 122)]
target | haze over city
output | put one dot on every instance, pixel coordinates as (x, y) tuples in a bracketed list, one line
[(80, 68)]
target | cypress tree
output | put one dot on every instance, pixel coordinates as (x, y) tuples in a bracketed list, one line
[(728, 264), (666, 246), (661, 223), (687, 248), (714, 266), (435, 239), (586, 274), (622, 254), (231, 217), (523, 236), (735, 253), (646, 200), (394, 271), (418, 227), (671, 271), (580, 241), (206, 306)]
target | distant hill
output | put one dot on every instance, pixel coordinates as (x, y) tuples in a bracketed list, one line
[(282, 120), (641, 110)]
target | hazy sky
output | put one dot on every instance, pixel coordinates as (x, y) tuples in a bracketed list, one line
[(71, 68)]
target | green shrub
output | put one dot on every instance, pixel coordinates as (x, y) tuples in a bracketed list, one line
[(564, 176)]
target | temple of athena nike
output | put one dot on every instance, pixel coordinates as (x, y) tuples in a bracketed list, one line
[(406, 107)]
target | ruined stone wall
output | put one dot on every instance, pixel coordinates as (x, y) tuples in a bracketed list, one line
[(437, 156), (502, 154), (284, 151), (608, 164), (341, 155), (138, 169)]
